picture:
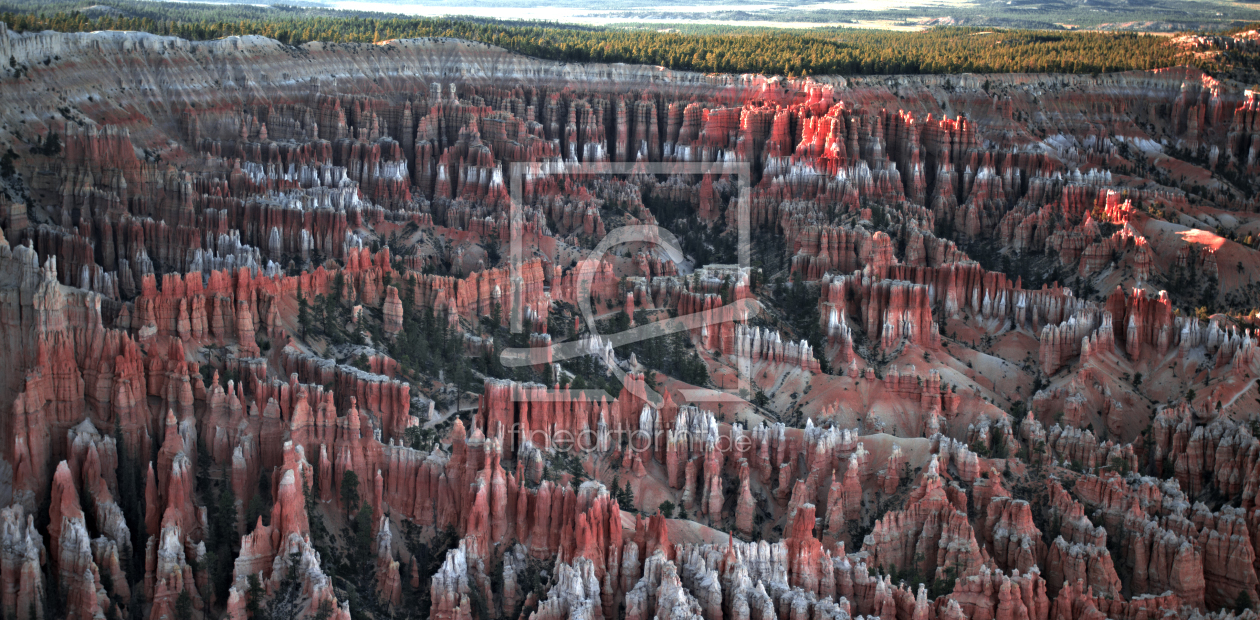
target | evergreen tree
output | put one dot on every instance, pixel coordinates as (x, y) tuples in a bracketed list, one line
[(625, 497), (325, 610), (253, 599), (496, 317), (350, 492), (49, 145), (131, 502), (338, 290), (304, 311), (183, 606), (667, 509), (363, 533)]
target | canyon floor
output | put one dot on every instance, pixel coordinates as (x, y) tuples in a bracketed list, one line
[(431, 329)]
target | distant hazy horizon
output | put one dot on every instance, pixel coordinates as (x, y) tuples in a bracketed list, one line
[(1156, 16)]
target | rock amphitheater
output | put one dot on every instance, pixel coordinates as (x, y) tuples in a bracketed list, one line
[(954, 445)]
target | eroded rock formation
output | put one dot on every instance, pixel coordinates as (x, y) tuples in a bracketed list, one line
[(299, 298)]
